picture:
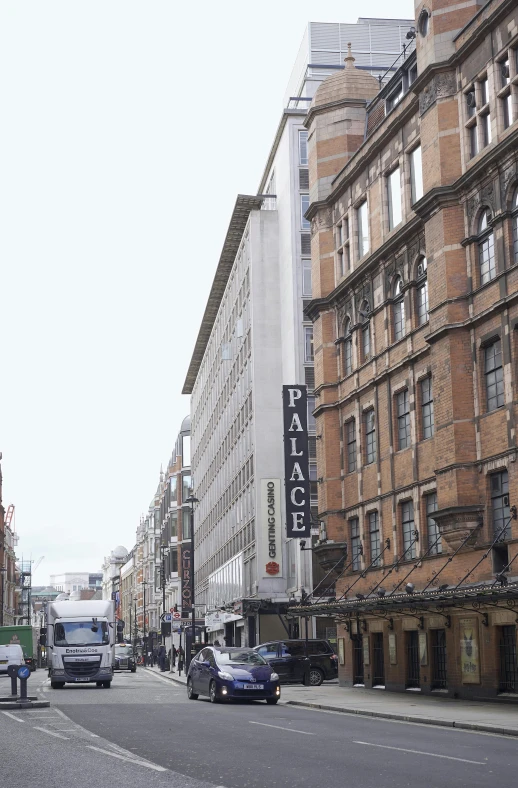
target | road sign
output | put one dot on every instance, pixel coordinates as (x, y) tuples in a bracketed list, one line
[(12, 670), (23, 672), (176, 615), (167, 617)]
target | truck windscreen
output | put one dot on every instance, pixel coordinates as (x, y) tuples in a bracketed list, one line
[(81, 633)]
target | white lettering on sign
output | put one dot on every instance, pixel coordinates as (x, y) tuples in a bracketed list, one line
[(296, 471), (271, 541)]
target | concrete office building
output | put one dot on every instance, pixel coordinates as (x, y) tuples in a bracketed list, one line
[(253, 339)]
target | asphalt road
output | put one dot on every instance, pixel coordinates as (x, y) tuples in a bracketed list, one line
[(149, 724)]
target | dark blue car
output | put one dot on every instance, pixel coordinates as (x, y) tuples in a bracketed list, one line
[(223, 673)]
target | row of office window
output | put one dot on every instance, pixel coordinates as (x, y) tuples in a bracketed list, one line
[(398, 323), (479, 103), (359, 217), (372, 552), (375, 546), (486, 242), (403, 437)]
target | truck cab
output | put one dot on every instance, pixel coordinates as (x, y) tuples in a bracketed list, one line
[(81, 639)]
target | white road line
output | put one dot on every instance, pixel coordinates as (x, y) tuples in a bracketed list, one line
[(147, 764), (420, 752), (280, 728), (12, 716), (51, 733)]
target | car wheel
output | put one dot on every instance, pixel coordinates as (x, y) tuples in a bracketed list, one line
[(316, 677), (213, 692), (271, 701), (190, 694), (106, 684), (134, 670), (57, 684)]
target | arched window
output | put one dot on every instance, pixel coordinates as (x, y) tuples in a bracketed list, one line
[(399, 310), (486, 249), (348, 348), (515, 225), (366, 331), (422, 292)]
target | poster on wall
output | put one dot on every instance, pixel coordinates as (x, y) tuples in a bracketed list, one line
[(296, 461), (341, 651), (469, 653), (392, 649), (423, 649)]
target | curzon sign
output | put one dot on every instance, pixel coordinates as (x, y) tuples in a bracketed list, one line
[(186, 569), (271, 552), (296, 462)]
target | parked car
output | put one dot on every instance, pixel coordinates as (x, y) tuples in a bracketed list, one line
[(10, 655), (124, 657), (227, 673), (290, 660)]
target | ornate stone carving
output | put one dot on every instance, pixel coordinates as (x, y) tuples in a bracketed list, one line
[(508, 175), (485, 197), (331, 555), (323, 220), (442, 85), (457, 523)]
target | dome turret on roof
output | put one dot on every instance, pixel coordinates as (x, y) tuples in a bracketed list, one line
[(119, 552), (348, 83), (186, 424)]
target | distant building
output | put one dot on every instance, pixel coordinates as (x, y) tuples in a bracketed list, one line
[(69, 582)]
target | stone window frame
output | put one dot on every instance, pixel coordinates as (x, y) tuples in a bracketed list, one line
[(432, 532), (480, 236), (488, 374), (343, 246), (360, 251), (421, 280), (372, 442), (513, 209), (398, 303), (354, 518), (411, 168), (397, 416), (396, 165), (485, 342), (376, 561), (365, 331), (348, 344), (477, 121), (490, 475), (506, 88), (348, 424), (403, 501)]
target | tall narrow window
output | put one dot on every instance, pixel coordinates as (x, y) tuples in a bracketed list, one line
[(363, 229), (494, 375), (416, 171), (473, 140), (427, 415), (348, 349), (408, 526), (403, 419), (366, 331), (374, 539), (350, 433), (515, 226), (486, 249), (306, 276), (399, 310), (312, 424), (422, 292), (305, 224), (303, 147), (432, 529), (308, 344), (356, 547), (500, 505), (394, 198), (370, 437)]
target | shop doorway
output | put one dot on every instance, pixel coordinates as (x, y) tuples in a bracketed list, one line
[(439, 674), (413, 678), (358, 672), (251, 632), (378, 660), (508, 674)]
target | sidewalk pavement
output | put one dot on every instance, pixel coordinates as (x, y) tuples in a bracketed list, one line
[(405, 706)]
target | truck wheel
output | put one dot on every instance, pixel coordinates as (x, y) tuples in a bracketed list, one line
[(106, 684), (57, 684), (98, 683)]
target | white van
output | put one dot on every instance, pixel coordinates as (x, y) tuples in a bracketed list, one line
[(10, 655)]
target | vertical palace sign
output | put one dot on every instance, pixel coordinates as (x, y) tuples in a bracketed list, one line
[(296, 461)]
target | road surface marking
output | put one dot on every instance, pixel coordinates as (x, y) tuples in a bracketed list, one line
[(129, 760), (51, 733), (13, 716), (280, 728), (420, 752)]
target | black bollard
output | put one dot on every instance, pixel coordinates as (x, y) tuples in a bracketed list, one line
[(23, 675), (12, 671)]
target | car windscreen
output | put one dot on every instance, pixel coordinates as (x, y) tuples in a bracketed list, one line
[(123, 651), (81, 633), (239, 658)]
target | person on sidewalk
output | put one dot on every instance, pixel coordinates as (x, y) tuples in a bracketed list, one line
[(161, 657)]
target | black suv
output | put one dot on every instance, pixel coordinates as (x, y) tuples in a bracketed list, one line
[(290, 661)]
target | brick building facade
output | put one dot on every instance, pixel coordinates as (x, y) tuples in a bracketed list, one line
[(414, 221)]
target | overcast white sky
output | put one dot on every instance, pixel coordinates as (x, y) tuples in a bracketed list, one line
[(127, 130)]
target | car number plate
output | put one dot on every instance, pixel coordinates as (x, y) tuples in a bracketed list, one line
[(3, 662), (253, 686), (82, 678)]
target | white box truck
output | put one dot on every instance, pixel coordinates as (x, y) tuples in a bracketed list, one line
[(80, 642)]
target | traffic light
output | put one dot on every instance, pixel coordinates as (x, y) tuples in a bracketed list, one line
[(43, 636)]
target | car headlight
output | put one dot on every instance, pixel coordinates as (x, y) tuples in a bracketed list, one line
[(58, 672), (274, 677), (224, 675)]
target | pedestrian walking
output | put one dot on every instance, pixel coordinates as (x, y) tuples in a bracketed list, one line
[(161, 657)]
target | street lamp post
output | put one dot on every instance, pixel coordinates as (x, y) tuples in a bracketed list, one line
[(163, 548), (144, 639), (192, 500), (3, 570)]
